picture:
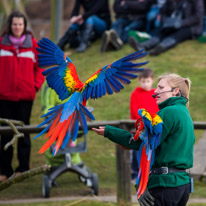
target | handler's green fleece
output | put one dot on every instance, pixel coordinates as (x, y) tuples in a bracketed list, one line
[(176, 147)]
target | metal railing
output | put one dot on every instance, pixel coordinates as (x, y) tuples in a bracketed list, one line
[(129, 124)]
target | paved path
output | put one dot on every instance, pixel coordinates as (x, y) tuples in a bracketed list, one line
[(199, 167), (92, 198)]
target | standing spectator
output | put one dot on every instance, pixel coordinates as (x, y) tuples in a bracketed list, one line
[(96, 18), (20, 79), (141, 97), (130, 15), (181, 20)]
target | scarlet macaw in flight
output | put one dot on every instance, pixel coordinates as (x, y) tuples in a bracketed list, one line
[(63, 120)]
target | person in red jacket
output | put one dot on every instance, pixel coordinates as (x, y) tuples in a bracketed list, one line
[(141, 97), (20, 79)]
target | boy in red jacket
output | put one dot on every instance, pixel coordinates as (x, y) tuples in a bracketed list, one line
[(141, 97)]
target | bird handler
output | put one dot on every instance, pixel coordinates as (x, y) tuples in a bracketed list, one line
[(169, 184)]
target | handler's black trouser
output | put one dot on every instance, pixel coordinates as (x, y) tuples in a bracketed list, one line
[(171, 196), (18, 111)]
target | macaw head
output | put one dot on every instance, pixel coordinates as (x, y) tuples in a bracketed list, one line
[(68, 59)]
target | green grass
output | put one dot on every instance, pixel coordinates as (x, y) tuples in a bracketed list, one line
[(187, 59), (199, 190)]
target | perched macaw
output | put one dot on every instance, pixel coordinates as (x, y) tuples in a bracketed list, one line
[(63, 120), (149, 130)]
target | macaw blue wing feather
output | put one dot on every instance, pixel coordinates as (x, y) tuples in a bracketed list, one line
[(61, 73), (112, 76)]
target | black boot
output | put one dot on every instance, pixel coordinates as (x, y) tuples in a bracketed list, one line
[(163, 46), (68, 38), (106, 38), (115, 40), (85, 38), (147, 45)]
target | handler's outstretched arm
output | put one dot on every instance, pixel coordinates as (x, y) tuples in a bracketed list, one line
[(118, 136)]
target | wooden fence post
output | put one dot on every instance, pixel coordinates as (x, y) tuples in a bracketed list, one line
[(123, 175)]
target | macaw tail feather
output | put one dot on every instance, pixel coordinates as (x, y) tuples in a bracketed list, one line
[(143, 175), (65, 119)]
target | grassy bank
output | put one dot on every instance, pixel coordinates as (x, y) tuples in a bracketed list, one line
[(187, 59)]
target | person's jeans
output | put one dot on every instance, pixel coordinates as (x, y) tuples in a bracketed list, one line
[(152, 22), (123, 25), (99, 25)]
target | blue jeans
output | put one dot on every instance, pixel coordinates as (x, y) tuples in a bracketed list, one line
[(134, 164), (123, 25), (99, 25), (152, 22)]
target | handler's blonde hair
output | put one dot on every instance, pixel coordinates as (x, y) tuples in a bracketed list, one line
[(176, 81)]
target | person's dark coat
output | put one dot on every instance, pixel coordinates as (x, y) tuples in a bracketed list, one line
[(132, 8), (192, 14), (93, 7)]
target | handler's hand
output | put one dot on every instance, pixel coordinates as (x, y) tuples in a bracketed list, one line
[(146, 199), (99, 131)]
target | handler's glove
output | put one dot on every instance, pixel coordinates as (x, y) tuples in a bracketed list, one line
[(146, 198)]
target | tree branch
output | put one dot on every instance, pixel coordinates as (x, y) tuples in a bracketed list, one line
[(24, 175), (12, 124)]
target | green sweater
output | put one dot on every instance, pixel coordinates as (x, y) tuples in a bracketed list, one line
[(176, 147)]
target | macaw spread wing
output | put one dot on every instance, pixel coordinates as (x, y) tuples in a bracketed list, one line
[(61, 76), (111, 78)]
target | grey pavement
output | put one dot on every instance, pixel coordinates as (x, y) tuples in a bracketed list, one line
[(199, 168), (92, 198)]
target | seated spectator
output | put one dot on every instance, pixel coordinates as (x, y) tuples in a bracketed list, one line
[(153, 24), (181, 20), (130, 15), (153, 20), (96, 18)]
